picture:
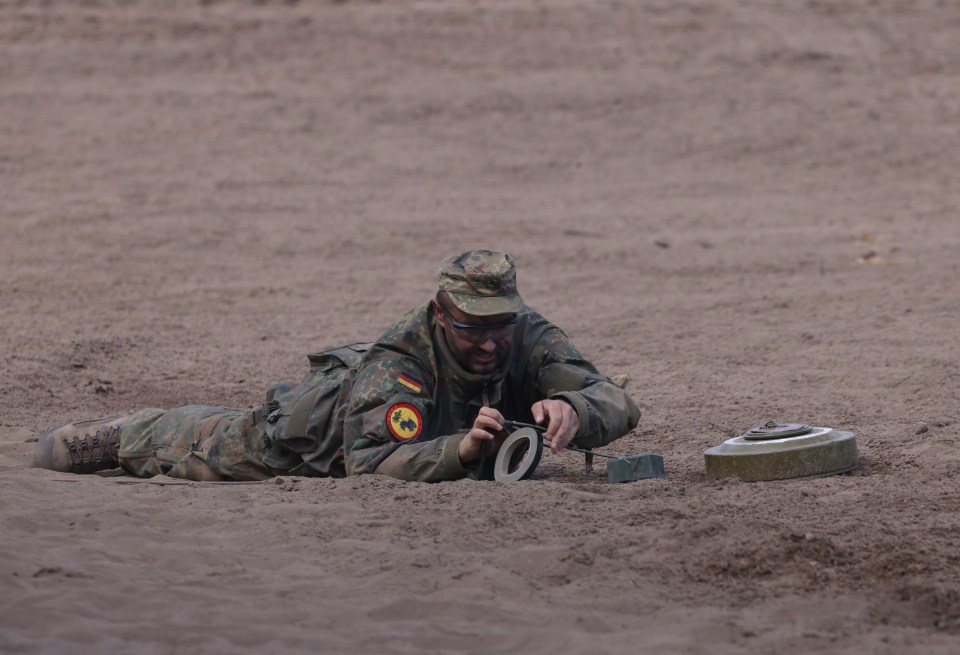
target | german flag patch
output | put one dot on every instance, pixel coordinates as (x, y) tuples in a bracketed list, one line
[(410, 383)]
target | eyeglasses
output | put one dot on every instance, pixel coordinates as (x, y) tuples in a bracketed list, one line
[(478, 332)]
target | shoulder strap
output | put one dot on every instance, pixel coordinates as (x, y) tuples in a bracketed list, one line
[(349, 356)]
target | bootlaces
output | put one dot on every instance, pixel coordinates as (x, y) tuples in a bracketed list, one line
[(94, 452)]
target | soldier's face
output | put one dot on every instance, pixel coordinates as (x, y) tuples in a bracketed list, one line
[(480, 344)]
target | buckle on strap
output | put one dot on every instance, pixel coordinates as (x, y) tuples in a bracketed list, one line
[(272, 410)]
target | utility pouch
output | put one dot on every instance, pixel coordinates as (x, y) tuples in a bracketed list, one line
[(305, 409)]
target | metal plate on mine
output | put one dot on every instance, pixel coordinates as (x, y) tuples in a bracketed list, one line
[(774, 430)]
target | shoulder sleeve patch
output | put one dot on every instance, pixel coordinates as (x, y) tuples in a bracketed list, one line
[(404, 421)]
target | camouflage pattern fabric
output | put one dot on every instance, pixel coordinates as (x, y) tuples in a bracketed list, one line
[(542, 364), (195, 442), (398, 408), (481, 282), (304, 436), (199, 442)]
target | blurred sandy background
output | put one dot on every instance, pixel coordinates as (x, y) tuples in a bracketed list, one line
[(749, 208)]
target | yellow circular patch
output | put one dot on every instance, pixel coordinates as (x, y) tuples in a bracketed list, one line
[(404, 421)]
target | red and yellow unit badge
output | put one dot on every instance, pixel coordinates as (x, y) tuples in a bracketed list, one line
[(405, 421), (410, 383)]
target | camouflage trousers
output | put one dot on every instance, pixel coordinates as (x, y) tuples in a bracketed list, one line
[(296, 431), (196, 442)]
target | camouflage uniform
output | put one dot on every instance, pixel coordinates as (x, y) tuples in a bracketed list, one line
[(398, 407), (297, 431), (543, 364)]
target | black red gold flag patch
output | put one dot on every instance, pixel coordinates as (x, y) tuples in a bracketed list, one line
[(410, 383)]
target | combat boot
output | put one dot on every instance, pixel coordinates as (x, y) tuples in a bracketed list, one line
[(84, 447)]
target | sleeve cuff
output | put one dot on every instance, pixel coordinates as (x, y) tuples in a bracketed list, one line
[(450, 456), (579, 405)]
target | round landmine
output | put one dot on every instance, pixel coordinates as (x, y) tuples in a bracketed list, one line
[(754, 458), (518, 456)]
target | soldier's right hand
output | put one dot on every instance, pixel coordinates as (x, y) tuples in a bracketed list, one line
[(488, 426)]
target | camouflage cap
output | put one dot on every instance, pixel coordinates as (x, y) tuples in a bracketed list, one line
[(481, 282)]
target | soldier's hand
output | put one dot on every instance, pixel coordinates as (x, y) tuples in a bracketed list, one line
[(487, 427), (562, 422)]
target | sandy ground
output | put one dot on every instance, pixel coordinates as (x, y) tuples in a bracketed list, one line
[(749, 208)]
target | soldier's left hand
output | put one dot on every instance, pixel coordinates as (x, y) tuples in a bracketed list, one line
[(562, 422)]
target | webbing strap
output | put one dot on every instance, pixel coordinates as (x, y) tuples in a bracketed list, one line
[(206, 430), (208, 427), (300, 414)]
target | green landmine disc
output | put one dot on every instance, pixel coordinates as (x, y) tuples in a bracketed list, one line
[(817, 451)]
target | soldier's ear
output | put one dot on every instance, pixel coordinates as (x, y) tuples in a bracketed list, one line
[(441, 315)]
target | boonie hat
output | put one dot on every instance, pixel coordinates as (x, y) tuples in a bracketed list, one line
[(481, 282)]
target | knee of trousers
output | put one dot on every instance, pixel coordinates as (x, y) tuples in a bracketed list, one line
[(174, 442), (193, 466)]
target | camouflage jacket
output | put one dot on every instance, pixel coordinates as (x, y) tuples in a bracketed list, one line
[(410, 403)]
